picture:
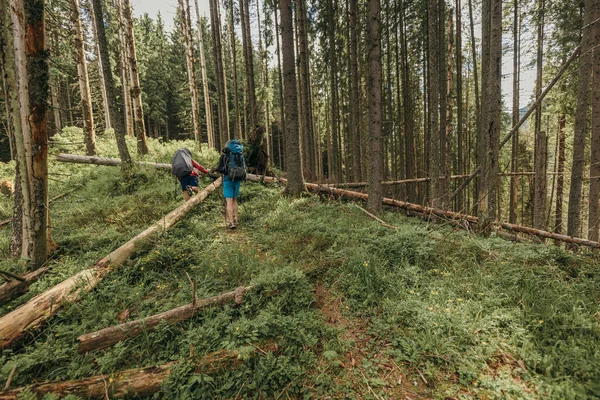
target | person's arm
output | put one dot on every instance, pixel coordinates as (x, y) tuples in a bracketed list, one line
[(199, 167)]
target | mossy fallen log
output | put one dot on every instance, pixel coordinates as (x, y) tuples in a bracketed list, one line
[(137, 382), (45, 305), (109, 336)]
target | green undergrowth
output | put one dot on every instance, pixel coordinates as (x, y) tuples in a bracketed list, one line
[(458, 315)]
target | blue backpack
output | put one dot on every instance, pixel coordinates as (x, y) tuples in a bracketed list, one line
[(236, 166)]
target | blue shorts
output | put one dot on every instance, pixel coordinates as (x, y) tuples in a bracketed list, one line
[(188, 181), (231, 189)]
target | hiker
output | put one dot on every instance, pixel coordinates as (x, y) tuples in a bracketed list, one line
[(233, 168), (186, 170)]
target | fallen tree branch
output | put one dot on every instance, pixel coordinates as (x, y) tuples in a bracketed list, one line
[(137, 382), (13, 289), (442, 213), (381, 222), (45, 305), (109, 336), (11, 275), (112, 162)]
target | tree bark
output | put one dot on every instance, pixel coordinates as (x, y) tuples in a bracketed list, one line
[(293, 161), (540, 186), (136, 91), (282, 130), (89, 135), (112, 335), (223, 107), (334, 150), (31, 60), (354, 100), (186, 26), (459, 104), (207, 108), (594, 208), (139, 382), (115, 117), (558, 219), (125, 72), (233, 50), (373, 43), (249, 63), (308, 145), (514, 159), (36, 311), (581, 125)]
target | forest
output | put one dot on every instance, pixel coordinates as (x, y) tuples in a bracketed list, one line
[(420, 218)]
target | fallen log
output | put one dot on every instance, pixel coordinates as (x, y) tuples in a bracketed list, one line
[(45, 305), (112, 162), (109, 336), (442, 213), (13, 289), (137, 382), (10, 276)]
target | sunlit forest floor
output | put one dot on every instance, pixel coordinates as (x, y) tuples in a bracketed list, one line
[(358, 310)]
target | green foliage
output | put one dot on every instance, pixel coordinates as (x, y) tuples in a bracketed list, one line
[(481, 316)]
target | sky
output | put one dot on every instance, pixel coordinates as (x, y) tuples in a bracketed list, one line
[(168, 9)]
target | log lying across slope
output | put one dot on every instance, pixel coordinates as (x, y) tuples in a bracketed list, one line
[(440, 213), (108, 336), (33, 313), (134, 382), (112, 162)]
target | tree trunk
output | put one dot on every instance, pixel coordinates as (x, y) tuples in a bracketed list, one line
[(460, 203), (594, 209), (354, 101), (136, 91), (186, 27), (282, 129), (112, 335), (115, 117), (249, 63), (444, 142), (105, 108), (514, 160), (435, 169), (36, 311), (558, 220), (89, 137), (207, 108), (373, 43), (31, 60), (223, 107), (308, 145), (539, 203), (233, 50), (334, 171), (125, 72), (581, 126), (292, 141), (141, 382)]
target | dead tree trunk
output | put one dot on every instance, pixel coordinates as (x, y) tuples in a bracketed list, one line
[(89, 136), (109, 336), (140, 381), (15, 288), (45, 305), (191, 70), (207, 107)]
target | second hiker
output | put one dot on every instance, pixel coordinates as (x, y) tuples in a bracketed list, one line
[(186, 170), (233, 168)]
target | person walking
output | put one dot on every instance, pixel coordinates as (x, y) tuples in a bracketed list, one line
[(233, 168)]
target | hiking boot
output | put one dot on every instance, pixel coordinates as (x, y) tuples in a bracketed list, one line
[(231, 225), (189, 190), (236, 222)]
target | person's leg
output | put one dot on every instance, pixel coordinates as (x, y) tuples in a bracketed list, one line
[(234, 210), (229, 209), (184, 184)]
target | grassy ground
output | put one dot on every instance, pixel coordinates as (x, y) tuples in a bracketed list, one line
[(358, 310)]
